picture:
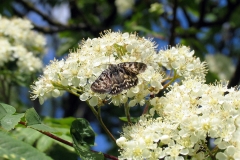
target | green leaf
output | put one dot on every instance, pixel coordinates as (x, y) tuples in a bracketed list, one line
[(58, 152), (44, 128), (62, 122), (86, 154), (32, 117), (34, 121), (28, 135), (44, 143), (10, 121), (3, 112), (133, 119), (11, 148), (82, 133), (83, 137), (67, 138), (9, 109)]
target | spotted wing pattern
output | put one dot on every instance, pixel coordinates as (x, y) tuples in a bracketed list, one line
[(118, 77)]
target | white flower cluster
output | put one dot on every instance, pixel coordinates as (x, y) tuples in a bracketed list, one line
[(189, 114), (83, 66), (20, 45), (182, 60)]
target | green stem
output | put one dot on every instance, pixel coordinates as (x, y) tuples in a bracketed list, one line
[(99, 117), (79, 90), (146, 108), (61, 87), (96, 113), (127, 113), (166, 79), (171, 81), (74, 93), (207, 149), (215, 150)]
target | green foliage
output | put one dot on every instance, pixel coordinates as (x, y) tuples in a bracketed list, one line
[(133, 119), (14, 149), (82, 134), (86, 154), (33, 120), (83, 138), (6, 109), (62, 125), (31, 135), (63, 122), (8, 120), (32, 117), (27, 135), (51, 147)]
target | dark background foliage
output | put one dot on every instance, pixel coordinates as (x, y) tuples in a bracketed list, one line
[(207, 26)]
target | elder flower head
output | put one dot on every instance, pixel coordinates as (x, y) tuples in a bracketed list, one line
[(19, 44), (189, 114), (182, 60), (84, 65)]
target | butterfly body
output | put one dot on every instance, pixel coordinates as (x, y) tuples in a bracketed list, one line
[(118, 77)]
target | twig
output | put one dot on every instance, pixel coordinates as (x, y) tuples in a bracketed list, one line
[(56, 25), (99, 117), (33, 7), (145, 109), (64, 141), (171, 81), (174, 22)]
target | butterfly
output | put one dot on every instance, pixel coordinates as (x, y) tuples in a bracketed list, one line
[(118, 77)]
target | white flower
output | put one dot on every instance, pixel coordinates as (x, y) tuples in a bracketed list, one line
[(227, 154), (190, 113), (120, 141), (93, 56), (85, 64), (181, 59), (20, 45)]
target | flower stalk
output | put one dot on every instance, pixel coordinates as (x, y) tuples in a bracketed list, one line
[(99, 117), (127, 113)]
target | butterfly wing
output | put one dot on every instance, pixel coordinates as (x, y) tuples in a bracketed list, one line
[(129, 73), (118, 77), (109, 81), (128, 79), (103, 84), (133, 67), (123, 79)]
